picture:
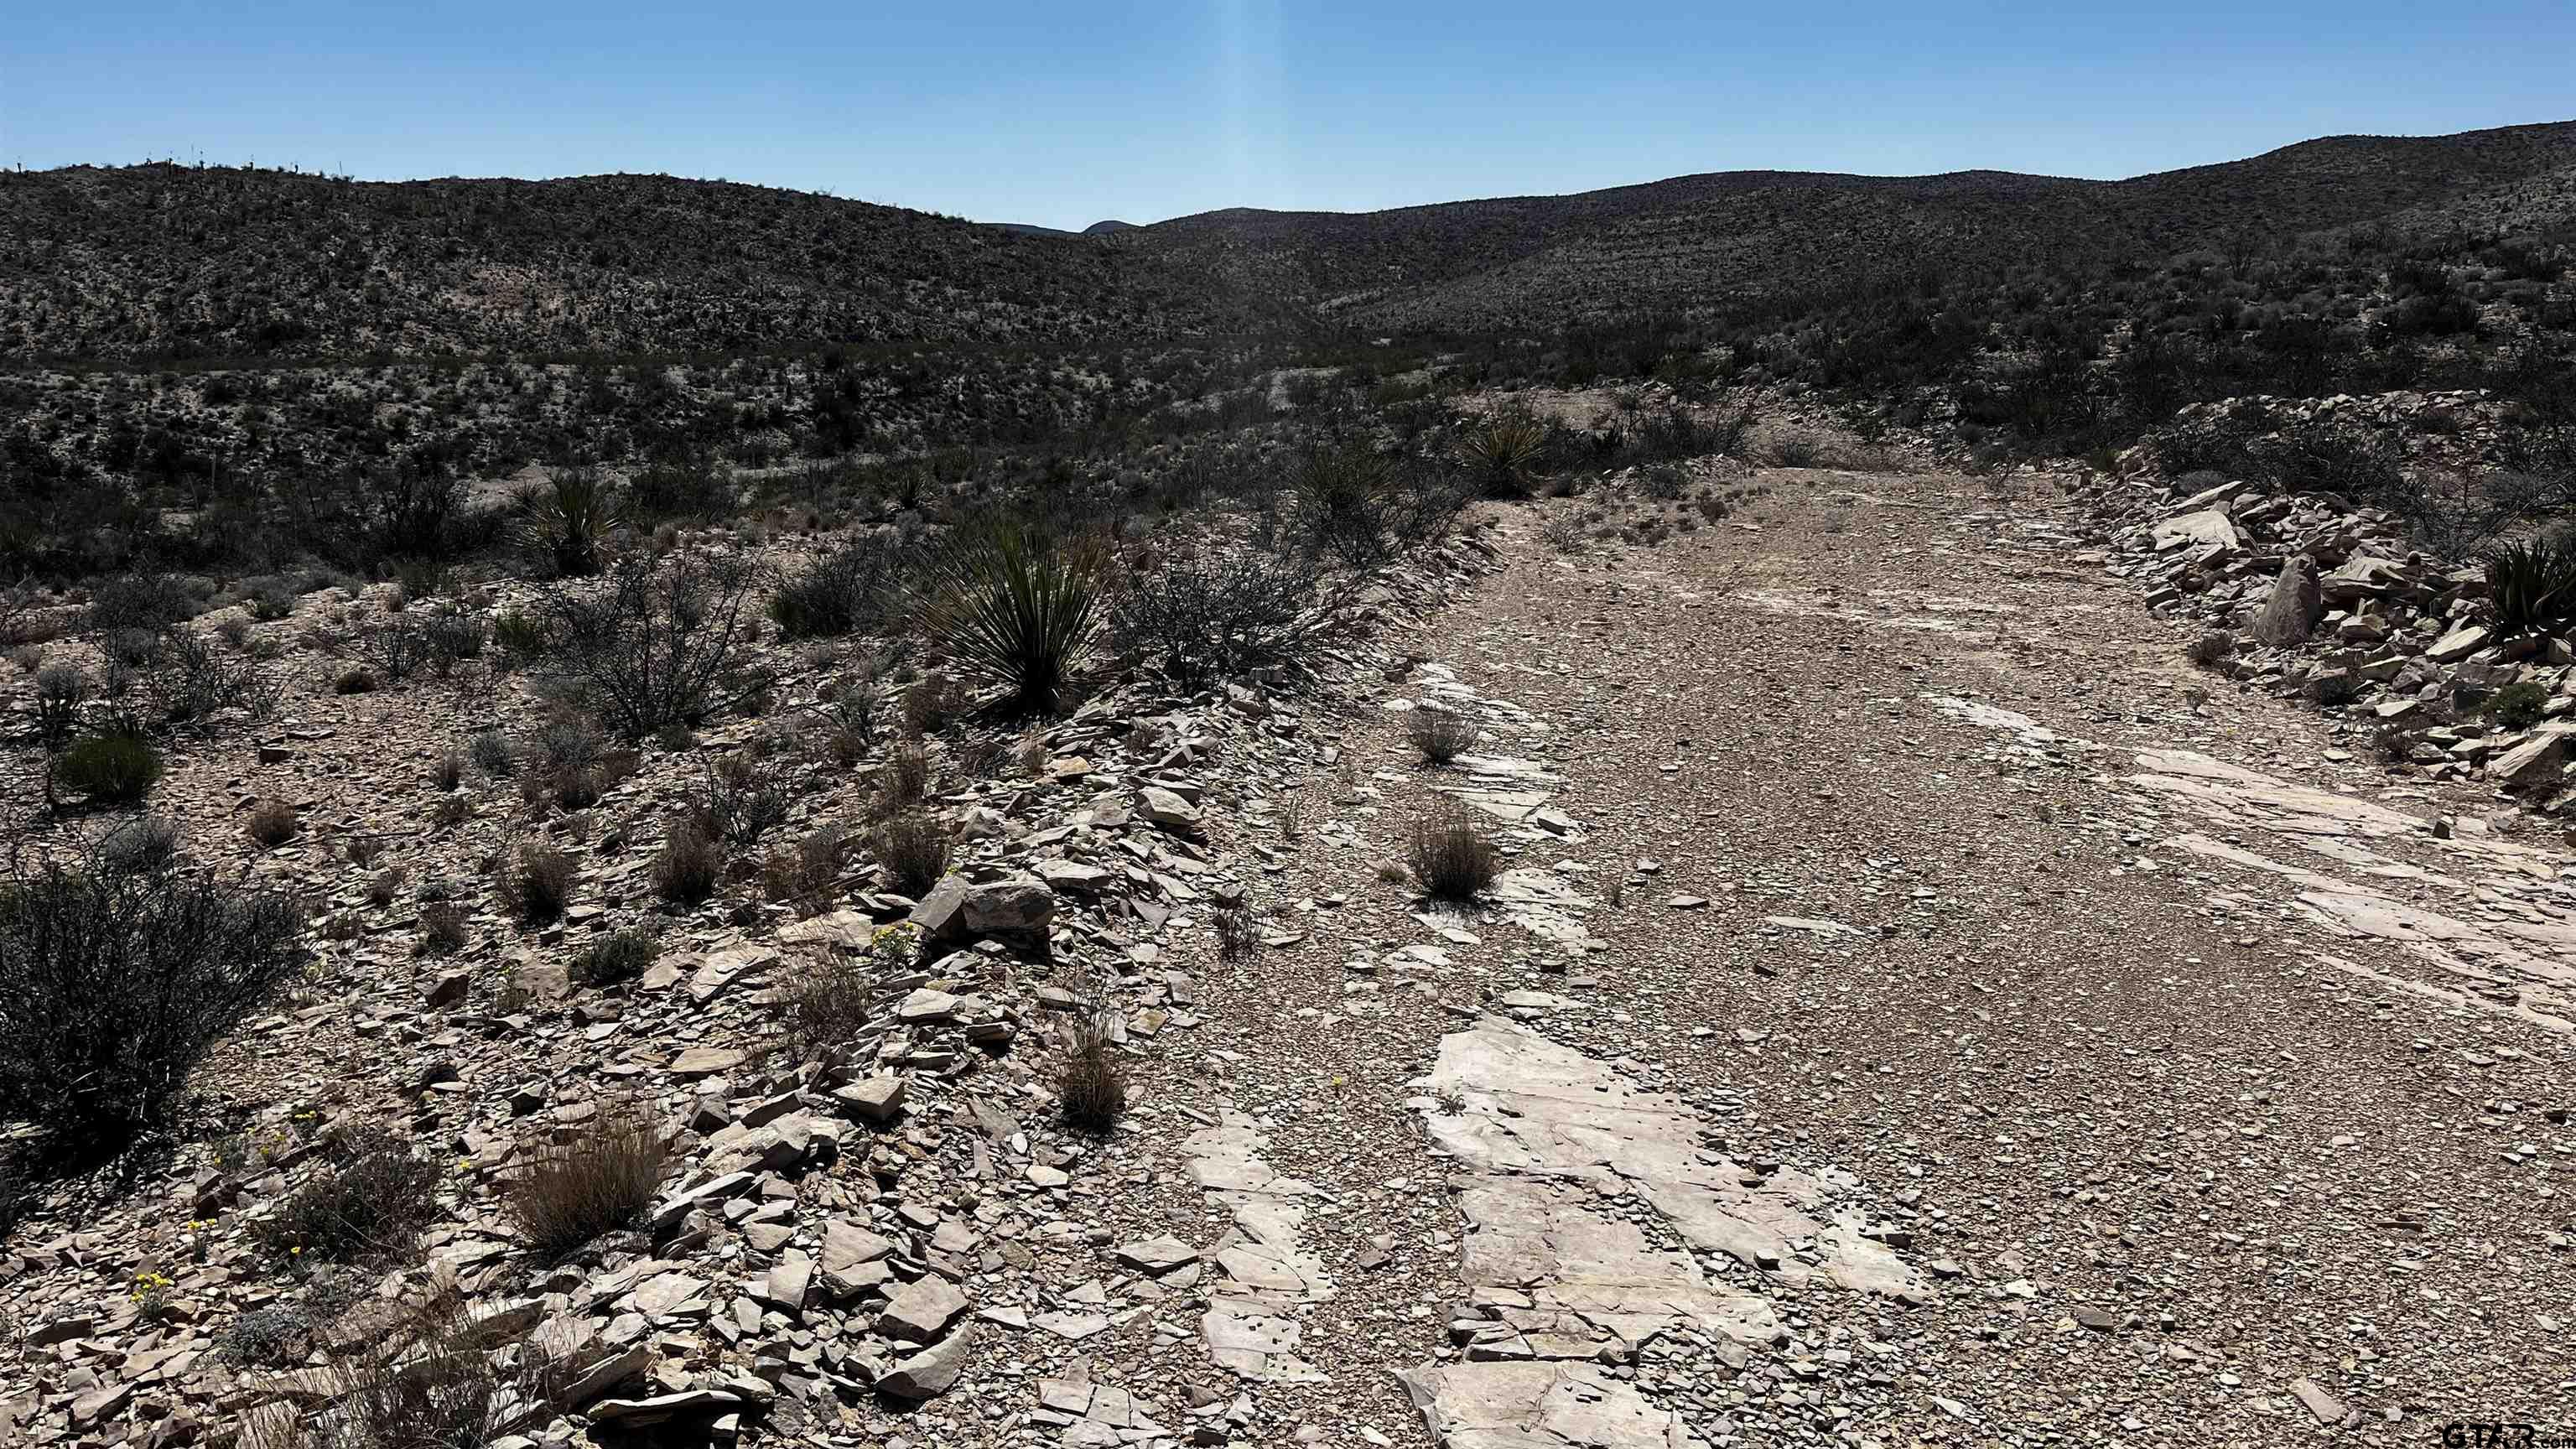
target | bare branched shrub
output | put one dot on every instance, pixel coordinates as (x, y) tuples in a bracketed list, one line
[(905, 781), (913, 849), (661, 641), (806, 874), (442, 929), (1210, 611), (742, 800), (113, 981), (1367, 509), (1449, 853), (1440, 735), (194, 680), (1236, 933), (844, 592), (599, 1179)]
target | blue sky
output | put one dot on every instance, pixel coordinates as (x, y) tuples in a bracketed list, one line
[(1065, 113)]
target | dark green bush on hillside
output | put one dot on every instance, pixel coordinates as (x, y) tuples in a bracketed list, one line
[(114, 981), (113, 768)]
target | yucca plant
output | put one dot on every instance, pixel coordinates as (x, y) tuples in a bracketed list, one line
[(1502, 452), (2533, 585), (569, 519), (1015, 609)]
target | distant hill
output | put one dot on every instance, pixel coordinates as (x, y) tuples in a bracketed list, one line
[(162, 261), (1692, 240)]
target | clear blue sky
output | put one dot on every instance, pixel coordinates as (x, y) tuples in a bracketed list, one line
[(1067, 112)]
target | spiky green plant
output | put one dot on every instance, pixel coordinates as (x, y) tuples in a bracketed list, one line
[(569, 519), (1015, 609), (2533, 585), (1502, 452)]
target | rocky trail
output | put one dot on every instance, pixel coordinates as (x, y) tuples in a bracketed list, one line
[(1920, 1007)]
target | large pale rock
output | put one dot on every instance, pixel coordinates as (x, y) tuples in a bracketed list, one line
[(2457, 645), (2536, 761), (1016, 907), (934, 1370), (921, 1308), (2197, 529), (2298, 600)]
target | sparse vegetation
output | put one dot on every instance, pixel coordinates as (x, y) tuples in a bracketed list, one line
[(599, 1178), (689, 866), (115, 977), (272, 823), (1016, 609), (618, 957), (1449, 853), (913, 850), (114, 767), (366, 1207), (1091, 1083), (540, 882), (1440, 735)]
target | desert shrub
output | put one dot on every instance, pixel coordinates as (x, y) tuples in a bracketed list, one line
[(61, 690), (602, 1179), (616, 957), (1502, 453), (113, 982), (540, 881), (688, 867), (268, 1338), (148, 604), (1796, 450), (661, 642), (395, 652), (113, 767), (451, 637), (442, 929), (435, 1376), (367, 1208), (2532, 585), (2519, 705), (525, 638), (492, 754), (272, 823), (449, 772), (933, 703), (193, 680), (566, 521), (906, 779), (809, 870), (1210, 612), (741, 801), (143, 844), (913, 849), (1091, 1084), (843, 592), (831, 999), (680, 489), (1014, 609), (2211, 648), (358, 679), (848, 715), (386, 885), (1440, 735), (1359, 506), (1449, 853)]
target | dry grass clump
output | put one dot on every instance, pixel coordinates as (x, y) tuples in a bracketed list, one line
[(273, 823), (913, 849), (369, 1207), (619, 956), (806, 873), (689, 867), (1236, 933), (1440, 735), (1449, 853), (599, 1180), (906, 779), (1091, 1084), (832, 999), (442, 929), (540, 884)]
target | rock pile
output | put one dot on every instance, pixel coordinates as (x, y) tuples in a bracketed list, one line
[(2305, 595)]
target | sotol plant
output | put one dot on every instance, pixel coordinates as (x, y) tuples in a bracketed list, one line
[(1016, 610)]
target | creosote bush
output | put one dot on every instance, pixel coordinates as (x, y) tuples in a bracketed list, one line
[(115, 980), (113, 767), (661, 641), (617, 957), (843, 592), (1440, 735), (600, 1179), (1209, 611), (1449, 853)]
